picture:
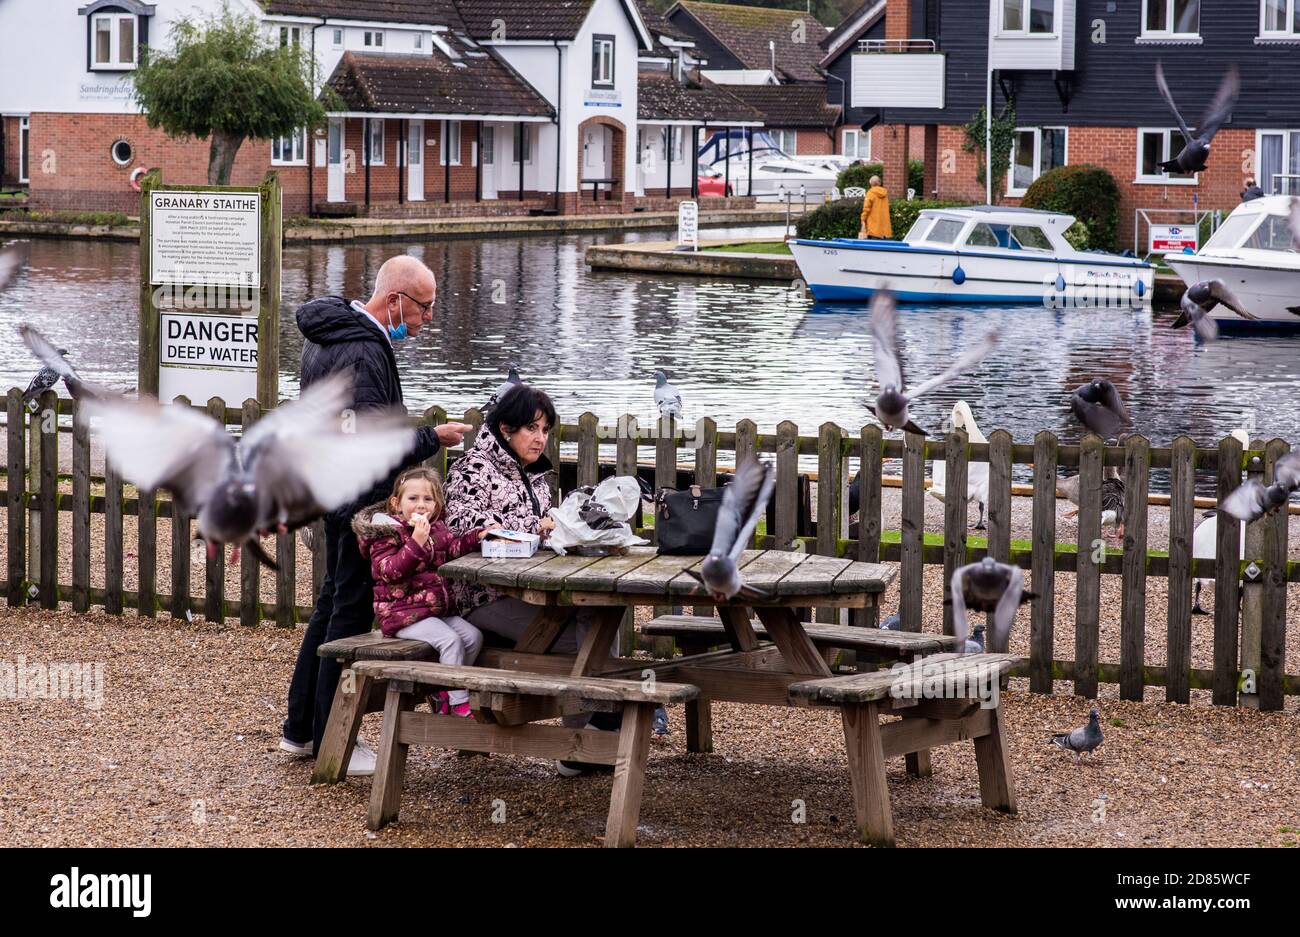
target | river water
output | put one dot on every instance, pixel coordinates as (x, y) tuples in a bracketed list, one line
[(735, 349)]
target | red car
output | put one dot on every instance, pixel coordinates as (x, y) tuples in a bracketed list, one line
[(713, 185)]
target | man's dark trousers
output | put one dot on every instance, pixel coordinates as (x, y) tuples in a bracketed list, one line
[(343, 609)]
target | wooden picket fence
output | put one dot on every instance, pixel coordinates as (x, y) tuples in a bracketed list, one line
[(1247, 634)]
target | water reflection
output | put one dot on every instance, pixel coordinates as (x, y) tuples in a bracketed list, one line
[(735, 349)]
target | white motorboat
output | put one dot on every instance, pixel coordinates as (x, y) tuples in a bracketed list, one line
[(773, 172), (978, 254), (1254, 255)]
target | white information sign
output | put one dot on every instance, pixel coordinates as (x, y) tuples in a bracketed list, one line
[(203, 355), (205, 238), (688, 225), (1173, 238)]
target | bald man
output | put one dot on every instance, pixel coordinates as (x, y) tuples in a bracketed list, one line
[(358, 338)]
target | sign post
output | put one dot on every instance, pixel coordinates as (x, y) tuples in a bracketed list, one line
[(688, 226), (210, 291)]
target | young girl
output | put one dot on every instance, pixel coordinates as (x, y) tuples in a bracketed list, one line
[(405, 540)]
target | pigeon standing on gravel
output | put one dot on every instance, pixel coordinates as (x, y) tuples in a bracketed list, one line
[(1081, 741), (744, 501), (667, 397), (990, 587), (1252, 500), (892, 403), (1196, 150), (1197, 302), (975, 643), (512, 378), (893, 623), (1097, 405)]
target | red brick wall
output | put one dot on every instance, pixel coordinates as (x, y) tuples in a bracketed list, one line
[(1115, 149), (898, 19), (813, 142), (622, 196)]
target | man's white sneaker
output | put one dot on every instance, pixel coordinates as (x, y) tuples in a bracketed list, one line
[(362, 762), (301, 749)]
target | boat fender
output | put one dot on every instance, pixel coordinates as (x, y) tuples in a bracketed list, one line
[(1140, 287), (1060, 283), (959, 275)]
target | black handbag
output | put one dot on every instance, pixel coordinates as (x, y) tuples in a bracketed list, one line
[(684, 520)]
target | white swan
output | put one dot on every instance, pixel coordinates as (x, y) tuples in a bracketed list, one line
[(1205, 538), (977, 473)]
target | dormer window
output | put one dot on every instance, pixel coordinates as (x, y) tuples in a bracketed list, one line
[(373, 39), (290, 35), (115, 32), (602, 61), (1037, 17)]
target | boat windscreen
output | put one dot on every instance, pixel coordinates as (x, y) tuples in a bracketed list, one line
[(945, 231), (918, 229), (1233, 231), (1273, 235)]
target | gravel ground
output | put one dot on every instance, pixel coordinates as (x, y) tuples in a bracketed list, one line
[(183, 752)]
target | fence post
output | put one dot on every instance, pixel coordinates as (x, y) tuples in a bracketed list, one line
[(746, 441), (588, 450), (436, 416), (830, 451), (214, 593), (1132, 653), (913, 530), (1182, 524), (870, 467), (787, 486), (1252, 592), (1272, 649), (16, 498), (1227, 577), (1087, 605), (80, 509), (1043, 565), (999, 506), (665, 477), (955, 511), (49, 499), (113, 526), (250, 580), (552, 453), (34, 420), (182, 546)]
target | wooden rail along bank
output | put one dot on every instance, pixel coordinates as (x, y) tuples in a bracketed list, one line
[(1246, 634)]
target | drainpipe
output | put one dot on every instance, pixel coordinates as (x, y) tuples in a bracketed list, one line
[(559, 135), (844, 106), (988, 128)]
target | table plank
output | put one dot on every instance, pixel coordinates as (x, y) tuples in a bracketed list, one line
[(464, 568), (602, 576), (550, 576), (507, 571), (814, 576), (864, 577), (654, 577), (767, 570), (683, 584)]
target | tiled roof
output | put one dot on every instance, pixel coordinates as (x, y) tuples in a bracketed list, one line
[(663, 97), (434, 84), (524, 19), (432, 12), (789, 105), (745, 32)]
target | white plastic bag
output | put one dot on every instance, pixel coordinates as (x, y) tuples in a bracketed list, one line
[(597, 517)]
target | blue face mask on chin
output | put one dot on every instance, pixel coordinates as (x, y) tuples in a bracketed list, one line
[(397, 334)]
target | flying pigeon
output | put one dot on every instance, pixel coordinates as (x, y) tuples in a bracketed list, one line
[(45, 378), (1196, 151), (1199, 299), (990, 587), (10, 261), (975, 643), (891, 406), (1253, 500), (744, 501), (667, 397), (292, 466), (512, 378), (1098, 407), (1081, 740)]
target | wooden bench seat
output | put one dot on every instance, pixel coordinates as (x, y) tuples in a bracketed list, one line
[(968, 708), (373, 645), (707, 631), (625, 749)]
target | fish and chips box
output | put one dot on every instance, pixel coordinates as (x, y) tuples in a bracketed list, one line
[(501, 544)]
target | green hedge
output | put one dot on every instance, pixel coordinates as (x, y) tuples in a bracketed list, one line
[(110, 218), (861, 176), (842, 218), (1089, 193)]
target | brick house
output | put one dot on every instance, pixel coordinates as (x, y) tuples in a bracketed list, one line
[(1080, 75)]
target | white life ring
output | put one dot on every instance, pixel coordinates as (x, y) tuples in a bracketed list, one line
[(137, 174)]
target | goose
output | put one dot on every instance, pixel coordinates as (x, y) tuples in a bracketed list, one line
[(1205, 538), (977, 473), (1112, 497)]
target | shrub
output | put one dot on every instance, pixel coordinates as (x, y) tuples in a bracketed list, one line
[(1090, 193), (861, 176), (109, 218), (1078, 236), (841, 219)]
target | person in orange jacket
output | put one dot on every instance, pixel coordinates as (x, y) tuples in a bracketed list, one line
[(875, 212)]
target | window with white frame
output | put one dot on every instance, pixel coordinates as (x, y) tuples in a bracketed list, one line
[(336, 39), (373, 39), (1034, 151), (290, 35), (24, 136), (489, 144), (857, 144), (450, 142), (113, 44), (1171, 19), (1155, 147), (290, 150), (1036, 17), (419, 42), (1278, 161), (785, 140), (672, 138), (375, 143), (602, 61), (1280, 18), (524, 133)]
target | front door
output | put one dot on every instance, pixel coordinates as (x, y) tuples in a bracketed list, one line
[(593, 153), (334, 159), (489, 160), (415, 157)]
